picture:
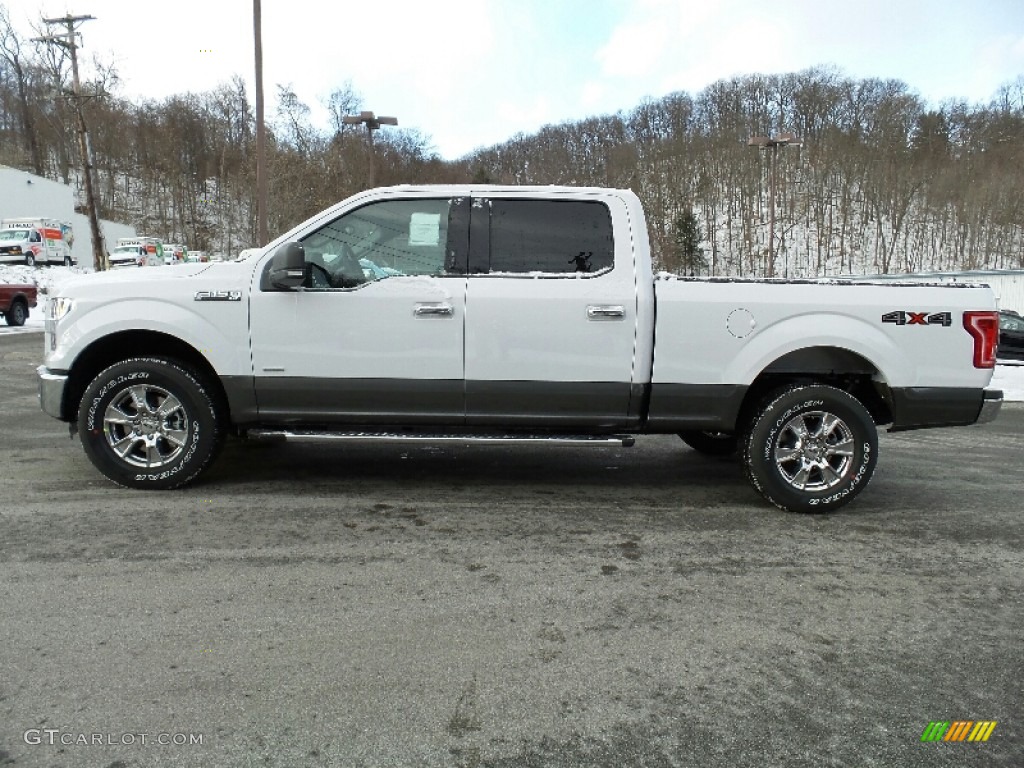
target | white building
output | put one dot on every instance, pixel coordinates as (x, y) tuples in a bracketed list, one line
[(24, 194), (1008, 284)]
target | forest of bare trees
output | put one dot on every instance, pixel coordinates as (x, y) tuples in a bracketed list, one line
[(882, 182)]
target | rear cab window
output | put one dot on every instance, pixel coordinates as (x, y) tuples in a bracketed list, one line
[(549, 238)]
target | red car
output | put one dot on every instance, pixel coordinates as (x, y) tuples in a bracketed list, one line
[(15, 300)]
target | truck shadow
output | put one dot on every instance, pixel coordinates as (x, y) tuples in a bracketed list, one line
[(663, 463)]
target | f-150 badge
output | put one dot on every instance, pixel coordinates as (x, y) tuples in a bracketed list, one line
[(218, 296), (918, 318)]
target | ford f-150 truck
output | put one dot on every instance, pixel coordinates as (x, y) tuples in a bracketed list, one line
[(507, 313), (15, 300)]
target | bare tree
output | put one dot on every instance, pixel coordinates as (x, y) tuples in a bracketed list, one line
[(11, 53)]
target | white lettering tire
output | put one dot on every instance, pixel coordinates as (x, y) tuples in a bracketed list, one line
[(149, 423), (811, 448)]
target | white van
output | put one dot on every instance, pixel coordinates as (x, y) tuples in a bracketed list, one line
[(34, 241), (175, 253), (137, 252)]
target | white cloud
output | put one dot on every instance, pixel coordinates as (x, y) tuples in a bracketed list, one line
[(750, 46), (1002, 54), (471, 73), (635, 49), (593, 95), (518, 115)]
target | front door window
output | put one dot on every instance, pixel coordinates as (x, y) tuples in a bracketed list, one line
[(378, 241)]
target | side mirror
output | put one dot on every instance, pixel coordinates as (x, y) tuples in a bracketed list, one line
[(288, 267)]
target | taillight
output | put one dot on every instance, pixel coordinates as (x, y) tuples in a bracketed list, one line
[(984, 329)]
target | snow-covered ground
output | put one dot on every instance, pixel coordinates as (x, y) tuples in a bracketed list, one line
[(1009, 376), (46, 279)]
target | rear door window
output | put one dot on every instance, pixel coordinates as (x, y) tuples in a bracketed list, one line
[(551, 237)]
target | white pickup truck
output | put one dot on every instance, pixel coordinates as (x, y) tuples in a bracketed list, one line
[(484, 313)]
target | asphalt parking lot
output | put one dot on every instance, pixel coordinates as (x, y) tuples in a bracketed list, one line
[(493, 606)]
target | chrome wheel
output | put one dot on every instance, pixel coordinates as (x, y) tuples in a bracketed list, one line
[(149, 422), (814, 451), (146, 426)]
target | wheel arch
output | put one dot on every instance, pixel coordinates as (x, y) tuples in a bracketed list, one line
[(836, 366), (123, 345)]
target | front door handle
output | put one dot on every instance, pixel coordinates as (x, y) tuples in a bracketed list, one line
[(433, 310), (606, 312)]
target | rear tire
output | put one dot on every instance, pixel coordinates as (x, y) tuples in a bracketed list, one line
[(17, 313), (711, 443), (811, 448), (149, 423)]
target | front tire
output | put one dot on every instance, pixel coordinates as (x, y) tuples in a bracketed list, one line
[(811, 448), (150, 423), (17, 314), (30, 260)]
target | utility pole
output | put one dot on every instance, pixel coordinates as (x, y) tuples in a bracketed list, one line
[(67, 41), (372, 124), (261, 132), (772, 145)]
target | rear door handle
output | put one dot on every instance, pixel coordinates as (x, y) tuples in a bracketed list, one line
[(433, 310), (606, 312)]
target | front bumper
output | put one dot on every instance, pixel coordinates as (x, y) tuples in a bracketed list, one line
[(51, 391)]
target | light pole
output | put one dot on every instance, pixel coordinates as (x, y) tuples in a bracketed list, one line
[(262, 235), (372, 123), (772, 145)]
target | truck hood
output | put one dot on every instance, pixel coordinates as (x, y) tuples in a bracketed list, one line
[(120, 281)]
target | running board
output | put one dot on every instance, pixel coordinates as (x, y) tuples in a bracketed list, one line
[(600, 441)]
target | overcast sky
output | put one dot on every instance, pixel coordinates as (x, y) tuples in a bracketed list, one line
[(471, 73)]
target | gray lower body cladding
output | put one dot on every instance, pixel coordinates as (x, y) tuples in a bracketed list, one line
[(594, 406), (922, 407)]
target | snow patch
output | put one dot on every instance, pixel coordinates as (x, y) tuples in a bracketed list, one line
[(45, 279), (1009, 377)]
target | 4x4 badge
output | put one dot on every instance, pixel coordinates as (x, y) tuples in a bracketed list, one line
[(918, 318)]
